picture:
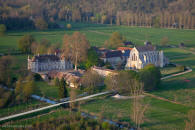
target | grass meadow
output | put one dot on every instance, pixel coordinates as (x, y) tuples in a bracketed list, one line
[(161, 114)]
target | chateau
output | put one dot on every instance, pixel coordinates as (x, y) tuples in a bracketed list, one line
[(142, 55), (42, 63)]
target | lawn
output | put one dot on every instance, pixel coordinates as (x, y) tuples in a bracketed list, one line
[(97, 34), (158, 114), (177, 88)]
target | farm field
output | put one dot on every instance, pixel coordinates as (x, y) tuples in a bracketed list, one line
[(159, 112)]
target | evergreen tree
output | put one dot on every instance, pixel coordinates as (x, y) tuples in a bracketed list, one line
[(57, 82), (63, 92)]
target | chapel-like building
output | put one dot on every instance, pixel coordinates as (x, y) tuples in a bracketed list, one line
[(42, 63), (140, 56)]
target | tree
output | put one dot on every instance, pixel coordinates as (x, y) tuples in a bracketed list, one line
[(92, 59), (116, 40), (43, 47), (41, 24), (156, 22), (190, 122), (75, 48), (138, 107), (73, 95), (91, 80), (121, 82), (150, 76), (28, 89), (63, 92), (25, 43), (69, 26), (57, 82), (164, 41), (2, 29), (53, 48), (18, 88), (6, 64)]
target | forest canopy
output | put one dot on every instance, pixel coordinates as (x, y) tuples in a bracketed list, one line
[(158, 13)]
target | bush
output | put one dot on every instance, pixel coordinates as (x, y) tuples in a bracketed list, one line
[(68, 26), (37, 77), (2, 29)]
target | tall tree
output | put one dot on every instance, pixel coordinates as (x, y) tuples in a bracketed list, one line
[(63, 92), (138, 108), (75, 48), (25, 42), (116, 40), (6, 64), (2, 29), (150, 76), (91, 80)]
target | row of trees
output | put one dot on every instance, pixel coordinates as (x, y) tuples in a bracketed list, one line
[(163, 20), (129, 12)]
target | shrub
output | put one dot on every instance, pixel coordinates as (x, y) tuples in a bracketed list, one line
[(2, 29), (68, 26), (37, 77)]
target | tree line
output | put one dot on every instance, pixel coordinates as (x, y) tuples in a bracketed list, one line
[(165, 13)]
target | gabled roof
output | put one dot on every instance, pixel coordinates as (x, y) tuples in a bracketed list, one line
[(145, 48), (111, 54), (45, 58)]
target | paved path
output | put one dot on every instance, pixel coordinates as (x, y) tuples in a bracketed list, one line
[(51, 106), (173, 75)]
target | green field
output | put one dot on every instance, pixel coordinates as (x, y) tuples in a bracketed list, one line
[(97, 34), (161, 115)]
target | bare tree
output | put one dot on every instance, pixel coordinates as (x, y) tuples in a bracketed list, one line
[(75, 48), (91, 80), (138, 107), (190, 122)]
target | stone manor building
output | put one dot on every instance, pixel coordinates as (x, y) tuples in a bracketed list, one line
[(43, 63), (142, 55)]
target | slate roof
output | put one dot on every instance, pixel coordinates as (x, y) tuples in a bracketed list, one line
[(127, 53), (111, 54), (145, 48), (45, 58)]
